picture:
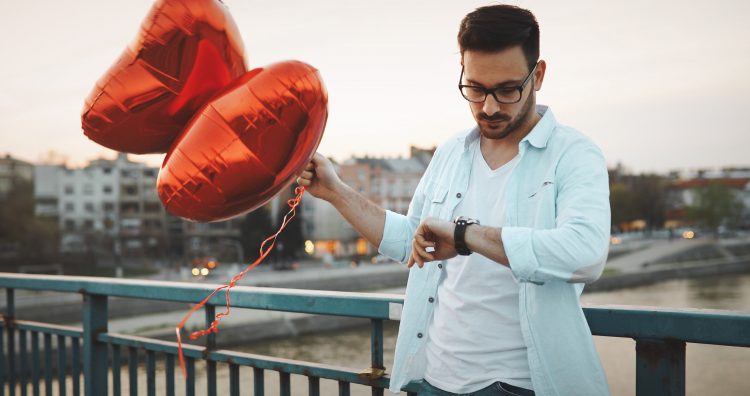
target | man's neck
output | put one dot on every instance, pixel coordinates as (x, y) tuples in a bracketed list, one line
[(497, 152)]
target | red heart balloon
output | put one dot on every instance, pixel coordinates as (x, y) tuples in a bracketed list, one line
[(245, 145), (186, 52)]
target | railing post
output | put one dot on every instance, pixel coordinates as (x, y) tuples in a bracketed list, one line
[(660, 367), (10, 313), (376, 353), (94, 352), (210, 311)]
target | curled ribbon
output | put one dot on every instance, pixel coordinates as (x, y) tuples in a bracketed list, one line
[(265, 249)]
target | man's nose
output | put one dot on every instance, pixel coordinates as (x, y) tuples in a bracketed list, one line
[(490, 106)]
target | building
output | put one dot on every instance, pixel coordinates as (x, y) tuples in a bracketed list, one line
[(12, 171), (682, 191), (111, 208), (388, 182)]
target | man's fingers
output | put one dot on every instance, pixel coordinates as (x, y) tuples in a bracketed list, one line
[(421, 239), (310, 166), (317, 157), (419, 251), (307, 175)]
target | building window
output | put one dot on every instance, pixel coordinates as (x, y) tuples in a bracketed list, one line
[(152, 207), (89, 207), (149, 172), (69, 206), (70, 225), (88, 225), (88, 189), (108, 206), (129, 208), (107, 189), (107, 170), (69, 190)]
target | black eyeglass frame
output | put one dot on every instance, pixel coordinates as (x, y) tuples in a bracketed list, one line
[(491, 91)]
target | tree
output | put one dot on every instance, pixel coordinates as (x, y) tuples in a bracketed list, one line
[(650, 199), (715, 205), (255, 228), (291, 237), (622, 202), (25, 238)]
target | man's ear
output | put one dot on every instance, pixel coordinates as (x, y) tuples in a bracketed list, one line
[(539, 75)]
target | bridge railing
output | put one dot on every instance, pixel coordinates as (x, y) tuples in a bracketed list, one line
[(35, 355)]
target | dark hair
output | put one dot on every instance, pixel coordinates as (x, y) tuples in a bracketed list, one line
[(498, 27)]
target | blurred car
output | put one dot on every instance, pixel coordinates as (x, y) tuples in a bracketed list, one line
[(202, 266)]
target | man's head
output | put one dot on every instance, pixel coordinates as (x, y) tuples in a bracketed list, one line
[(499, 50)]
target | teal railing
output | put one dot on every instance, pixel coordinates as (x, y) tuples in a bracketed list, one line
[(97, 354)]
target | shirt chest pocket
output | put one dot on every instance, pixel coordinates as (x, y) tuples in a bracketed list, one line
[(537, 206), (435, 200)]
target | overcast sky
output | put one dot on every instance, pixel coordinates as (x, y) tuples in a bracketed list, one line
[(657, 85)]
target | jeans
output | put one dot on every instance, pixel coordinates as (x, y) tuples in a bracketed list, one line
[(496, 389)]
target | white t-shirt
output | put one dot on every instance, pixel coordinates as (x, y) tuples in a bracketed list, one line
[(475, 337)]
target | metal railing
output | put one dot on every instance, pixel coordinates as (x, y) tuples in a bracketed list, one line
[(660, 337)]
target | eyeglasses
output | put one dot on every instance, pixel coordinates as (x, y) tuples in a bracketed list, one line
[(504, 95)]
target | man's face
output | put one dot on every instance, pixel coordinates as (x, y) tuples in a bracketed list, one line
[(500, 69)]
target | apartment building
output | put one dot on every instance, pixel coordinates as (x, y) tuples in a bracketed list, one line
[(388, 182), (112, 207)]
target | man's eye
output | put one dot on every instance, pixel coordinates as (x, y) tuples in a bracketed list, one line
[(506, 91), (475, 90)]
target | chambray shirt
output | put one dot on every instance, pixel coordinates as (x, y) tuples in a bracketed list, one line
[(556, 240)]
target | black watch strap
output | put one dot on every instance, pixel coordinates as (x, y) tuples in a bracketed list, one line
[(459, 237)]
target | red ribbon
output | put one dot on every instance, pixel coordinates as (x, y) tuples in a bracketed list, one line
[(264, 251)]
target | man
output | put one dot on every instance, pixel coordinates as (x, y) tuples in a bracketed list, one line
[(492, 305)]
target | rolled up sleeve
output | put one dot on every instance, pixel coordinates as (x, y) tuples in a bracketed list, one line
[(398, 230), (576, 249), (397, 235)]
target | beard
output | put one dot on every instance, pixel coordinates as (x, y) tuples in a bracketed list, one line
[(513, 123)]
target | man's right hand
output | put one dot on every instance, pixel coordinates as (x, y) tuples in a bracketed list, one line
[(320, 178)]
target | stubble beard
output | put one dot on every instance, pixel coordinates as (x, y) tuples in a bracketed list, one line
[(512, 126)]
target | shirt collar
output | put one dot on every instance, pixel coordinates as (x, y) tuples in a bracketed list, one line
[(537, 137)]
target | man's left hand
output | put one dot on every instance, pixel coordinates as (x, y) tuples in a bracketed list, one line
[(433, 241)]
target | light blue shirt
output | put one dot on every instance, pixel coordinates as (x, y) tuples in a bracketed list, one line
[(556, 240)]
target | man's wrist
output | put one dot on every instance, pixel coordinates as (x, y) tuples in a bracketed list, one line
[(338, 193), (488, 242)]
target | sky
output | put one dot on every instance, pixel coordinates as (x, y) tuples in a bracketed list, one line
[(659, 86)]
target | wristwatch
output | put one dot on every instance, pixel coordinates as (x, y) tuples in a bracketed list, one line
[(459, 234)]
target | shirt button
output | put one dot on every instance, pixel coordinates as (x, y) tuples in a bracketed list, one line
[(419, 335), (431, 299), (458, 195), (440, 266)]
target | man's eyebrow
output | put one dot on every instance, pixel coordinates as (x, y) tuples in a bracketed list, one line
[(507, 84)]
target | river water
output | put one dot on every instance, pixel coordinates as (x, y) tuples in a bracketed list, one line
[(711, 370)]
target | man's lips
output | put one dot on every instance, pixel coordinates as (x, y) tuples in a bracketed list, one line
[(494, 122)]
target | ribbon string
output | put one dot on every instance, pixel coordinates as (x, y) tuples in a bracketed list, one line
[(265, 249)]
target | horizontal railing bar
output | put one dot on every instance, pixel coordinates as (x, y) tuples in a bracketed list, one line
[(246, 359), (48, 328), (691, 325), (702, 326), (364, 305)]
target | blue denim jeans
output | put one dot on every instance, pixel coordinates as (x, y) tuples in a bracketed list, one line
[(496, 389)]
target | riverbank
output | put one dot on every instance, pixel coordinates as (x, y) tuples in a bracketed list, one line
[(249, 326)]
